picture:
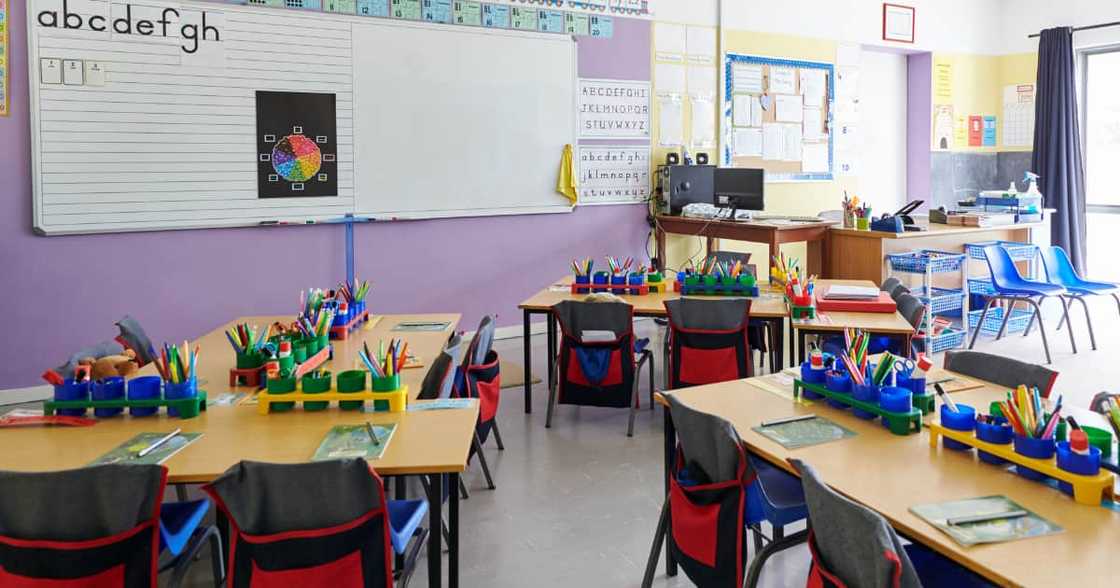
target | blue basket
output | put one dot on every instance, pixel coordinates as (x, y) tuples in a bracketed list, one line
[(1017, 251), (981, 286), (1019, 320), (948, 339), (943, 300), (918, 262)]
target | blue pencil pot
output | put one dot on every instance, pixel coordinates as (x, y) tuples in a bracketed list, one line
[(865, 393), (811, 376), (962, 420), (917, 386), (144, 388), (618, 279), (71, 390), (636, 279), (839, 382), (341, 318), (1031, 447), (601, 278), (172, 391), (1074, 463), (359, 306), (107, 389), (582, 280), (999, 433)]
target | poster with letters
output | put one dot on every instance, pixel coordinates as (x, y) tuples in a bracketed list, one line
[(613, 109), (611, 174)]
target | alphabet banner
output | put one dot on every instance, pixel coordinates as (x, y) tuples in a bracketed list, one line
[(613, 109), (610, 174), (4, 58)]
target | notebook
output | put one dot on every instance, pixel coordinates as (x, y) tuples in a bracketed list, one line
[(840, 292)]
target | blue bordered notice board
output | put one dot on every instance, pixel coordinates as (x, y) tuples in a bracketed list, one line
[(777, 115)]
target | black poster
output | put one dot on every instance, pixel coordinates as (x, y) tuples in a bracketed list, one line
[(297, 145)]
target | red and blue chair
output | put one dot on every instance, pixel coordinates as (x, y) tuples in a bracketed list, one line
[(708, 340), (479, 376)]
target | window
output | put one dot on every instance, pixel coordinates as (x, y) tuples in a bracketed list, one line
[(1100, 129)]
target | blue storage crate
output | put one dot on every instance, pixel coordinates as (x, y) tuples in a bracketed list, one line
[(943, 300), (1018, 322), (1017, 251), (917, 262), (982, 286), (946, 340)]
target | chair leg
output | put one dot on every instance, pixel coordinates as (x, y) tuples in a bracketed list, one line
[(980, 325), (1088, 320), (411, 555), (1006, 315), (658, 541), (1041, 330), (463, 487), (552, 385), (779, 544), (633, 408), (651, 385), (1065, 315), (482, 461), (181, 492), (185, 559), (497, 434), (1117, 299), (1030, 324)]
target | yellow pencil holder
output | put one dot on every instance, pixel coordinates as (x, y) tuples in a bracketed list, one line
[(863, 224)]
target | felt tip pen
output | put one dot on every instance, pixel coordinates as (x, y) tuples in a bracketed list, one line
[(795, 419), (984, 518), (945, 398), (372, 435), (158, 443)]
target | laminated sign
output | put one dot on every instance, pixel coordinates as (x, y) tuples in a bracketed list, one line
[(614, 109)]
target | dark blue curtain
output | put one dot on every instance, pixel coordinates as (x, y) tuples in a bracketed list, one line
[(1057, 142)]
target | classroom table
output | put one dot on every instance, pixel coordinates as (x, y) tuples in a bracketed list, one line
[(773, 233), (890, 473), (891, 324), (235, 433)]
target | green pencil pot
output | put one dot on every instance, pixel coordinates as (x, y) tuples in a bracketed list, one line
[(654, 277), (299, 351), (287, 364), (747, 280), (863, 224), (322, 342), (316, 384), (249, 360), (1099, 438), (388, 384), (282, 386), (692, 280), (729, 283), (349, 382), (710, 281)]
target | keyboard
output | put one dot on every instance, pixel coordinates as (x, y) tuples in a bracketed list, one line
[(785, 217)]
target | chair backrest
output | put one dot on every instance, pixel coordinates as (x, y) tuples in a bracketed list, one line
[(850, 542), (731, 257), (710, 446), (440, 378), (709, 314), (709, 340), (1058, 267), (890, 284), (306, 524), (899, 290), (47, 521), (1001, 266), (997, 369), (576, 316), (482, 342), (912, 309)]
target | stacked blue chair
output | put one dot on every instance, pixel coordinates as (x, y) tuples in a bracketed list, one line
[(1060, 271), (1010, 286)]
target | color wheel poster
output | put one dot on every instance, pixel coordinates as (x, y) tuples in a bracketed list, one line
[(296, 145)]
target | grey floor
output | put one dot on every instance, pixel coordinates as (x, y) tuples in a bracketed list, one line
[(577, 504)]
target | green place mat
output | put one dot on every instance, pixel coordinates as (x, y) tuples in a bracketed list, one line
[(128, 452), (997, 531), (349, 441), (798, 434)]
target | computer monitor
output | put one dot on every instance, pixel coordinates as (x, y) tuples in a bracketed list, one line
[(739, 188)]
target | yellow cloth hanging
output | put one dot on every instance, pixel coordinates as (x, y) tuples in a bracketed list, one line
[(566, 183)]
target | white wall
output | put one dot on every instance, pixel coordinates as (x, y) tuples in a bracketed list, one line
[(1023, 17), (882, 165)]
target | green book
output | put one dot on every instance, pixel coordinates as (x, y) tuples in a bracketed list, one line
[(993, 531), (349, 441), (129, 451)]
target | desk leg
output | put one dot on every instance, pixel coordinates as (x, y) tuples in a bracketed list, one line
[(777, 342), (453, 531), (435, 521), (792, 339), (551, 357), (659, 238), (527, 342), (710, 244), (670, 450), (801, 335)]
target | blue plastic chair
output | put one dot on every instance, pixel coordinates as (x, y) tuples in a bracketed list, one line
[(405, 517), (1060, 271), (775, 497), (182, 535), (1012, 287)]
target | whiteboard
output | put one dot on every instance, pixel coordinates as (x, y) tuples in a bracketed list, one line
[(166, 139), (460, 121)]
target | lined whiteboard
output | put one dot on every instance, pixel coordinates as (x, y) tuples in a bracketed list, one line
[(153, 137)]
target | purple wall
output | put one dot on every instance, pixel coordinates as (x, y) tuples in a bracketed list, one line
[(919, 110), (63, 292)]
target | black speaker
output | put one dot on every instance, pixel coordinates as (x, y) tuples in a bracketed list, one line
[(701, 159), (672, 158)]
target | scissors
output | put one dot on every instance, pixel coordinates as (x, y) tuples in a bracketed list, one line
[(904, 367)]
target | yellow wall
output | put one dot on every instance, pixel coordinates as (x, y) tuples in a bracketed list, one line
[(978, 82), (1019, 68)]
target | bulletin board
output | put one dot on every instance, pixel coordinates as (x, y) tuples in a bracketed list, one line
[(787, 147)]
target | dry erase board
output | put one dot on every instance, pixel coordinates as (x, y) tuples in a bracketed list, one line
[(158, 114), (777, 116)]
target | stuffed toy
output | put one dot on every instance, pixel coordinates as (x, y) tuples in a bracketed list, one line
[(123, 364), (122, 356)]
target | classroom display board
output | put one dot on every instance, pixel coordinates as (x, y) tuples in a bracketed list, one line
[(777, 116), (180, 114)]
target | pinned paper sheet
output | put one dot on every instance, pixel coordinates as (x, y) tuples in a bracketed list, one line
[(703, 122), (792, 143), (702, 81), (700, 44), (773, 142), (814, 158), (812, 126), (847, 82), (672, 120), (741, 111), (748, 142), (669, 78), (668, 41), (788, 108), (746, 78), (782, 80), (813, 85)]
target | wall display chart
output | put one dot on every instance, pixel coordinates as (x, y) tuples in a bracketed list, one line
[(777, 116), (176, 114), (5, 87), (614, 130)]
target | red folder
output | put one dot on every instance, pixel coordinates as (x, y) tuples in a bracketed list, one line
[(883, 304)]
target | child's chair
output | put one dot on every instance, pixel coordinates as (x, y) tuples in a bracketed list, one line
[(479, 377), (708, 340), (439, 381), (598, 362), (716, 494), (98, 526), (313, 525), (1060, 271)]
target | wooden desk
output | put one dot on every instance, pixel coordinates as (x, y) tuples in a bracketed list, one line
[(880, 323), (861, 255), (889, 474), (772, 233)]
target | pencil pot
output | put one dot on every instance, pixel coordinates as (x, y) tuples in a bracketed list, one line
[(895, 399), (863, 224), (747, 280), (866, 393), (839, 382), (601, 278), (1032, 447), (1075, 463), (351, 381), (654, 277), (691, 280), (322, 342), (71, 390), (359, 308), (1099, 438), (618, 279), (282, 385), (998, 433), (341, 318), (144, 388), (636, 280), (107, 389), (387, 384), (287, 364), (185, 389), (299, 351), (962, 420), (584, 280), (249, 360), (812, 376), (316, 384)]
